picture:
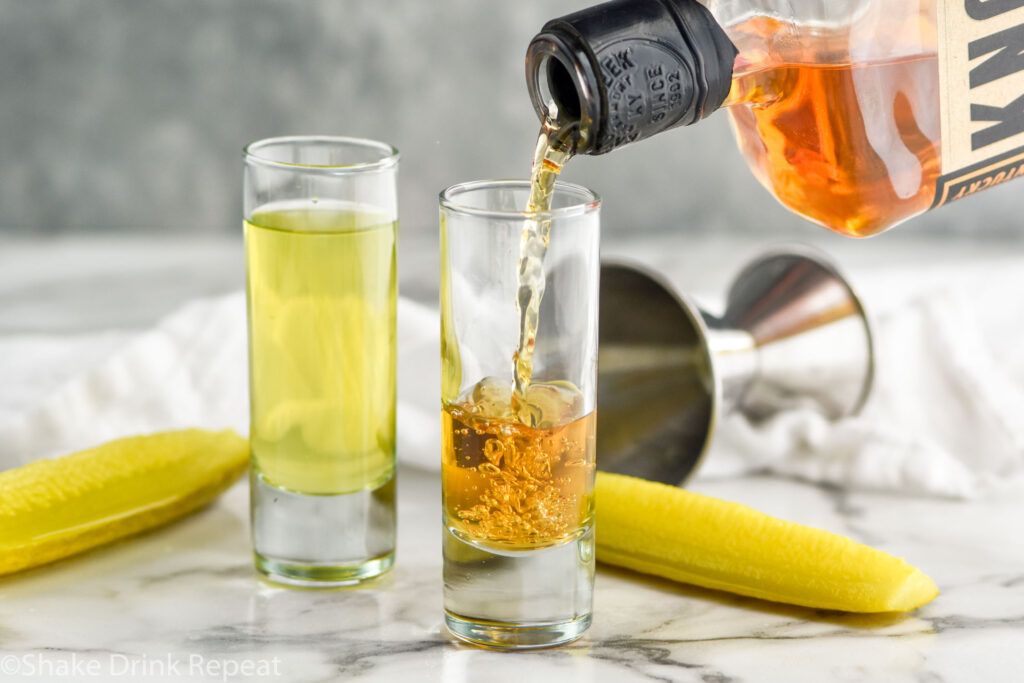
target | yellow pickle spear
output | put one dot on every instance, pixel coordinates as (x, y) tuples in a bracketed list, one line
[(51, 509), (696, 539)]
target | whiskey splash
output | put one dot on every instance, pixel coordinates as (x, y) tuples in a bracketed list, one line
[(554, 148)]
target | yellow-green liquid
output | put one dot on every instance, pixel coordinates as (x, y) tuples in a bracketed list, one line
[(322, 298)]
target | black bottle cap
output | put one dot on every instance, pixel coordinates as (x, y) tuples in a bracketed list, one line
[(628, 69)]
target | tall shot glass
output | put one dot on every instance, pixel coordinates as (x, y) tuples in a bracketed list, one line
[(518, 465), (320, 232)]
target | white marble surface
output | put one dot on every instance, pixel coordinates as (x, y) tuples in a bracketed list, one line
[(183, 603), (188, 593)]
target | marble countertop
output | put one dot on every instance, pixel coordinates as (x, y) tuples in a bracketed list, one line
[(188, 594), (183, 603)]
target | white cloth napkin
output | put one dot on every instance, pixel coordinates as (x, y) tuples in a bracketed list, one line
[(946, 416)]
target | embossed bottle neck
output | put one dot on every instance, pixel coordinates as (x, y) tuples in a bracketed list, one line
[(629, 69)]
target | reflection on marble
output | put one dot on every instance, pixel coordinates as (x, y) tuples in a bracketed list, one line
[(188, 593)]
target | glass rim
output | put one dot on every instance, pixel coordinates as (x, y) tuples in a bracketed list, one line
[(389, 154), (447, 200)]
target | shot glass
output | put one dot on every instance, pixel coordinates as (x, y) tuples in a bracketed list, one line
[(518, 458), (320, 232)]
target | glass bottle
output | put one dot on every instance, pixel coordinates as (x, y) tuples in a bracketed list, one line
[(855, 114)]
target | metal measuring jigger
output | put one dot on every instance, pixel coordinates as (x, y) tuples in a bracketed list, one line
[(793, 334)]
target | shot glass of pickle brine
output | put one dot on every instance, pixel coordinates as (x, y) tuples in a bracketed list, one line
[(519, 305), (320, 230)]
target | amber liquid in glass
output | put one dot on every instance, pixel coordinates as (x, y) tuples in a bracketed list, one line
[(518, 460), (531, 488)]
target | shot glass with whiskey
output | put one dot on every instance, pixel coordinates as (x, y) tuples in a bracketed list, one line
[(519, 303)]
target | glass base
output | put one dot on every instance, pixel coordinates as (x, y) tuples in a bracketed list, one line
[(525, 599), (515, 636), (321, 576), (322, 541)]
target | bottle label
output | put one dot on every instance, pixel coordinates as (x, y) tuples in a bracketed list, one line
[(981, 69)]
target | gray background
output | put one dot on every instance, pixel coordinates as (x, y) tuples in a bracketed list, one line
[(129, 115)]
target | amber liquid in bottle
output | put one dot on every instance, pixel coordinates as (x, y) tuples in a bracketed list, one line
[(853, 146)]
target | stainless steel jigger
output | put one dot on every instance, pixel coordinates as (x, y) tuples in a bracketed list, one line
[(794, 333)]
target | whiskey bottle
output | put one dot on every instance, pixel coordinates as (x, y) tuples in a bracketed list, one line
[(856, 115)]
